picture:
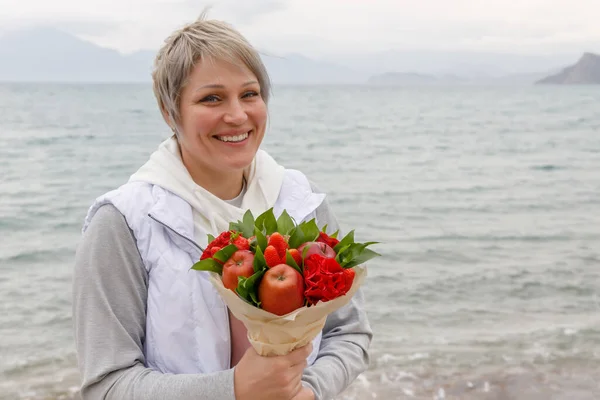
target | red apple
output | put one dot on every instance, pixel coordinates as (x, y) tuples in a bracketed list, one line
[(241, 263), (317, 248), (281, 290)]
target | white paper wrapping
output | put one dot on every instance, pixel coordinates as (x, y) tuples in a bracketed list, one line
[(271, 334)]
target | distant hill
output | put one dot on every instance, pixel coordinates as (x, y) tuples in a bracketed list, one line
[(297, 69), (417, 79), (585, 71), (470, 65), (402, 78), (50, 55), (412, 78)]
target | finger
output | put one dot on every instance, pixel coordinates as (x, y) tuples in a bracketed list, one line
[(300, 354), (298, 369), (304, 394), (296, 386), (307, 394), (300, 365)]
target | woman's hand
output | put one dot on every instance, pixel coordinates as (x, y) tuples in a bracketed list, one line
[(305, 394), (271, 378)]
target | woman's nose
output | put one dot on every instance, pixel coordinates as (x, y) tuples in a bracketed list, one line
[(235, 114)]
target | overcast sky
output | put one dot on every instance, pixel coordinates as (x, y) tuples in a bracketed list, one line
[(319, 27)]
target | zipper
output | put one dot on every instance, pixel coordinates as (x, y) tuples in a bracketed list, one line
[(177, 233), (201, 250)]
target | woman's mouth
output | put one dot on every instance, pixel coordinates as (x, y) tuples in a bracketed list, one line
[(234, 138)]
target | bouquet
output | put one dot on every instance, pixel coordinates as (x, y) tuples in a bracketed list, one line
[(282, 279)]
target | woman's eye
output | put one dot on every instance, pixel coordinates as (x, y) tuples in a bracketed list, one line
[(210, 99), (250, 94)]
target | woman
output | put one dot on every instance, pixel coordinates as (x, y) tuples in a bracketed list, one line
[(146, 326)]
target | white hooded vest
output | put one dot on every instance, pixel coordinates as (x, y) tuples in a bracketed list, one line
[(187, 323)]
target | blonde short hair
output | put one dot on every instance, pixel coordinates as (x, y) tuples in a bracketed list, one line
[(201, 39)]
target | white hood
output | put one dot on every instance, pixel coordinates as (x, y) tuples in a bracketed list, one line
[(211, 214)]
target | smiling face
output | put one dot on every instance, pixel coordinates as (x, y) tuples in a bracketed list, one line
[(222, 120)]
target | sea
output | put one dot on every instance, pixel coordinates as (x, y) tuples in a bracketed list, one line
[(485, 201)]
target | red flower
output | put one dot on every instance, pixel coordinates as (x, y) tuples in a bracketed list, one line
[(221, 241), (328, 240), (325, 279)]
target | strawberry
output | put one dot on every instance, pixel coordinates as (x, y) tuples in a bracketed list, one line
[(241, 243), (295, 253), (279, 243), (272, 257), (214, 250)]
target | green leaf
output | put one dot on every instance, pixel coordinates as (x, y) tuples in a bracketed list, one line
[(324, 229), (253, 243), (235, 226), (285, 223), (259, 222), (248, 288), (270, 224), (370, 243), (266, 222), (303, 256), (343, 253), (241, 288), (261, 239), (296, 238), (357, 248), (351, 252), (259, 263), (254, 298), (210, 238), (348, 239), (247, 226), (225, 253), (335, 234), (310, 230), (252, 286), (208, 264), (365, 256), (289, 260)]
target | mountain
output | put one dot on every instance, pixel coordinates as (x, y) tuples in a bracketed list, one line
[(469, 65), (585, 71), (413, 78), (50, 55), (402, 78), (298, 69)]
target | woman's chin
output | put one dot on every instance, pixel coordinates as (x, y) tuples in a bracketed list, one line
[(238, 161)]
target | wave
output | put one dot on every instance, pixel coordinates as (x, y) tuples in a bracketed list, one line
[(47, 141), (38, 256), (547, 167), (499, 238)]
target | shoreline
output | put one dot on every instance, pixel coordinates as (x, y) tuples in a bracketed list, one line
[(575, 382)]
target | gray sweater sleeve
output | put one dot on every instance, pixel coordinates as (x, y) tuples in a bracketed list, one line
[(347, 335), (109, 314)]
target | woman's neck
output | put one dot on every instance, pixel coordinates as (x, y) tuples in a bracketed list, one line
[(226, 185)]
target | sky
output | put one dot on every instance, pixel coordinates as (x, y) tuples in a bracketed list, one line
[(329, 27)]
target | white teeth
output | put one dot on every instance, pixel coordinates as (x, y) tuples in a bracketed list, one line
[(237, 138)]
